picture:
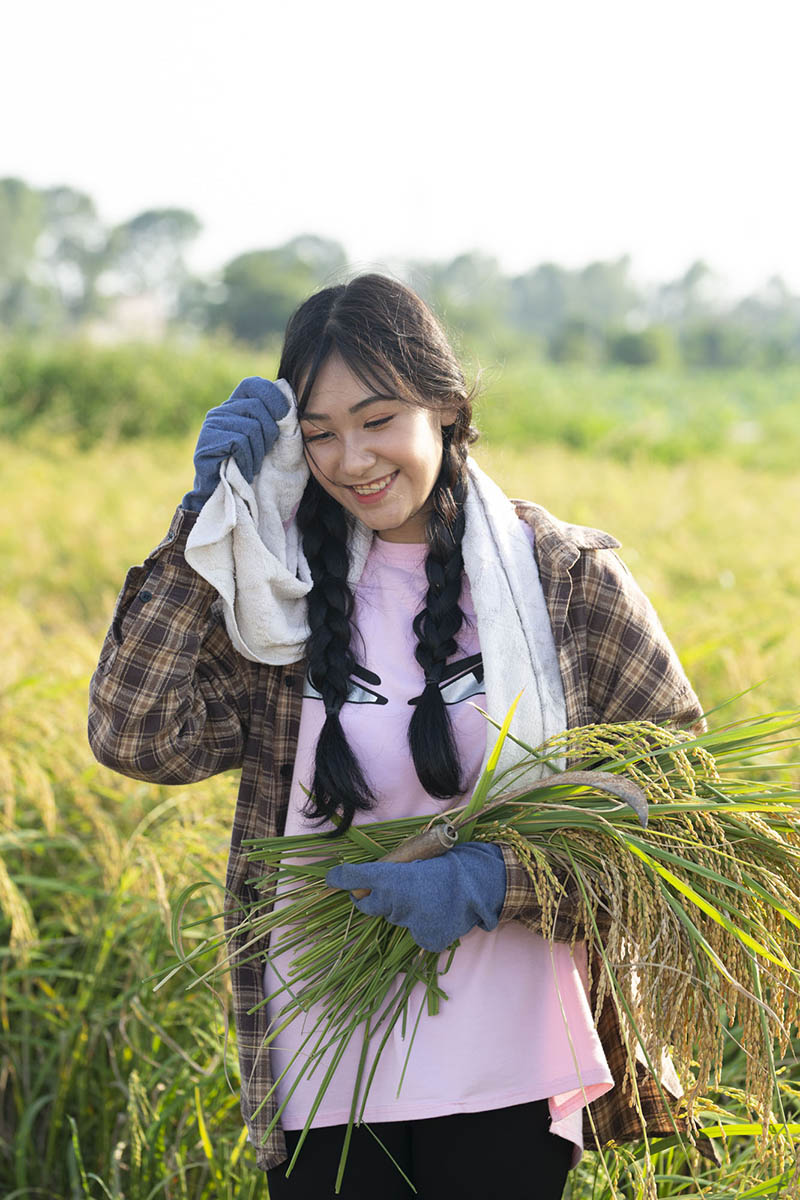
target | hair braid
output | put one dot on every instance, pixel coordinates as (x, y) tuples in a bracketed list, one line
[(339, 785), (430, 731)]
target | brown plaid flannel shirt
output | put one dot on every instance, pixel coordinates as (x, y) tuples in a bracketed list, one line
[(172, 702)]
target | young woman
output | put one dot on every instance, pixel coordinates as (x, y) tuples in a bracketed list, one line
[(405, 542)]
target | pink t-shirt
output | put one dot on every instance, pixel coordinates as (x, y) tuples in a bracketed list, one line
[(516, 1025)]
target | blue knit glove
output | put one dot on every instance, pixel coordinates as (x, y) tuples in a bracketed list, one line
[(436, 899), (243, 427)]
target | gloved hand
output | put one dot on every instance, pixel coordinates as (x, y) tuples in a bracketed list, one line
[(244, 427), (436, 899)]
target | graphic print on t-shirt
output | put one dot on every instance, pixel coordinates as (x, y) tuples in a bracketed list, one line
[(461, 681), (358, 694)]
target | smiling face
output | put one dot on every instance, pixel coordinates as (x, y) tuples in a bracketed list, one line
[(378, 456)]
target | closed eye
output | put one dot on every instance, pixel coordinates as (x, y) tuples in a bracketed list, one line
[(324, 435)]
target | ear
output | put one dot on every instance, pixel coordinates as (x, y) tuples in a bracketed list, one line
[(447, 416)]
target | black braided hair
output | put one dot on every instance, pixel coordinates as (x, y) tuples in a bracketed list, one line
[(339, 785), (430, 731)]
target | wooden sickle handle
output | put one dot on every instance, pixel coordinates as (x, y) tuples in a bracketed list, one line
[(431, 843)]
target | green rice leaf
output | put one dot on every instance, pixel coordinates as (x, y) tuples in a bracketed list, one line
[(481, 791)]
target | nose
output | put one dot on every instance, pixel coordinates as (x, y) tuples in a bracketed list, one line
[(356, 458)]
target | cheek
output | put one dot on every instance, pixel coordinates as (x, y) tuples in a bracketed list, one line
[(316, 465), (427, 454)]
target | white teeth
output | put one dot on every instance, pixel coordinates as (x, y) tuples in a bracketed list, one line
[(373, 487)]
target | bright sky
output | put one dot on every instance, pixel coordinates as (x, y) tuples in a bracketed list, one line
[(568, 130)]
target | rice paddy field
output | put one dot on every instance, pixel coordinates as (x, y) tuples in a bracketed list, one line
[(111, 1089)]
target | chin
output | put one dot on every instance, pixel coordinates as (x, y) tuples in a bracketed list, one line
[(384, 525)]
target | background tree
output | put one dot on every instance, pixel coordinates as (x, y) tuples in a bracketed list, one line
[(260, 289), (572, 310), (718, 344), (772, 316), (577, 340), (21, 222), (147, 254), (72, 251), (24, 303), (692, 297), (654, 345), (61, 265), (469, 292), (540, 299)]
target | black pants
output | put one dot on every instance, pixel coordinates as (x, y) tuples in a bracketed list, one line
[(497, 1155)]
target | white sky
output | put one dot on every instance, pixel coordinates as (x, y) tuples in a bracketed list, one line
[(568, 130)]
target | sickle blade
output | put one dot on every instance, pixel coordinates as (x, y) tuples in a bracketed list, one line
[(603, 781)]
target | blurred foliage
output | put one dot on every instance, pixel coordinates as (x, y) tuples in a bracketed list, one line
[(653, 414), (62, 270), (108, 393), (655, 345), (261, 289), (103, 393), (61, 266), (146, 252)]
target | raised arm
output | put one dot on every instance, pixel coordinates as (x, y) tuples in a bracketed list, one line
[(169, 700)]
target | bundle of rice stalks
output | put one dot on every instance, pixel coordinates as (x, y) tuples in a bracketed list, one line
[(677, 864)]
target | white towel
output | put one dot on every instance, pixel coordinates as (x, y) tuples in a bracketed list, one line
[(246, 545), (514, 630)]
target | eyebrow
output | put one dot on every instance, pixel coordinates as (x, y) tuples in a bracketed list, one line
[(310, 416)]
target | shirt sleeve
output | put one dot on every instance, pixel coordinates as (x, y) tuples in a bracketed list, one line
[(169, 700), (633, 670), (633, 673)]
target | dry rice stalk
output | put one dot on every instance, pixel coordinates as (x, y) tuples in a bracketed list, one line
[(17, 911)]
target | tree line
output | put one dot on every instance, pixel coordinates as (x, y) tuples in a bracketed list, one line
[(62, 267)]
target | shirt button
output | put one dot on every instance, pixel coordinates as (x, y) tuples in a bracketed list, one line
[(145, 596), (289, 681), (287, 770)]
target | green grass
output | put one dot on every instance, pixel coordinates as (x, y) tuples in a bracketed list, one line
[(117, 393), (93, 860), (673, 416), (110, 393)]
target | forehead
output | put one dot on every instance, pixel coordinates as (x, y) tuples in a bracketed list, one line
[(336, 389), (335, 379)]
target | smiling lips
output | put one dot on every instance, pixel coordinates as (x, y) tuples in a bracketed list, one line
[(368, 492)]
